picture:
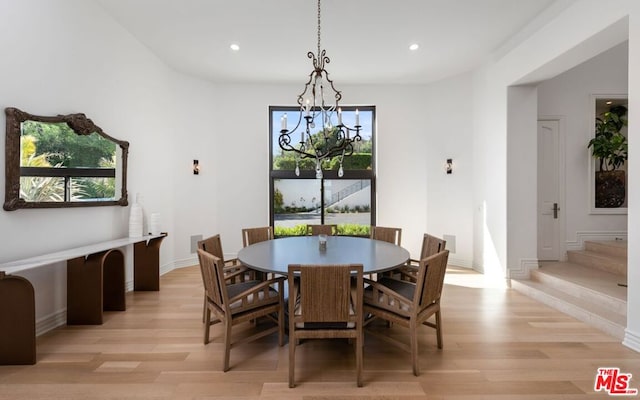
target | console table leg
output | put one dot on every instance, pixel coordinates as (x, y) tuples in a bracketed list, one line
[(146, 265), (113, 284), (84, 290), (18, 321)]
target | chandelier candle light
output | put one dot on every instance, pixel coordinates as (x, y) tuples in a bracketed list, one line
[(331, 141)]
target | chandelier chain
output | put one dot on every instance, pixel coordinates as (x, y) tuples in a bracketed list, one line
[(318, 28), (325, 140)]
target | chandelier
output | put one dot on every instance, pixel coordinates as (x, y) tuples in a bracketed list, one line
[(330, 141)]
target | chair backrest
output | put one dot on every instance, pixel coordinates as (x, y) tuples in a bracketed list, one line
[(431, 245), (430, 280), (391, 235), (315, 230), (256, 235), (212, 245), (324, 293), (212, 276), (234, 299)]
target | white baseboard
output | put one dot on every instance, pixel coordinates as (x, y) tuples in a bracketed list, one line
[(51, 321), (185, 262), (459, 262), (581, 237), (524, 270), (631, 340), (479, 268), (59, 318)]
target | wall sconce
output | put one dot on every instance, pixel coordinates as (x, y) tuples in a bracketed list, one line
[(449, 166), (196, 167)]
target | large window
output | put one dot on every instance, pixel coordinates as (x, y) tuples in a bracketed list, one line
[(347, 201)]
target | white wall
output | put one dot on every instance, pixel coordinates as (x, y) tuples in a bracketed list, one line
[(568, 96), (448, 124), (521, 179), (632, 336), (358, 199), (75, 59), (551, 50), (93, 66), (63, 57), (196, 137), (419, 127), (413, 140)]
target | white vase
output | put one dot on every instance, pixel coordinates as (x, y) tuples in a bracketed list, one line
[(154, 224), (136, 219)]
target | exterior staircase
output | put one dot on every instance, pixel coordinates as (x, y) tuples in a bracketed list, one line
[(590, 287)]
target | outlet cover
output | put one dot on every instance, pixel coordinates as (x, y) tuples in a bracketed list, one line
[(194, 243), (451, 243)]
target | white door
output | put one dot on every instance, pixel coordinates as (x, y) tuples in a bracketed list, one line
[(548, 190)]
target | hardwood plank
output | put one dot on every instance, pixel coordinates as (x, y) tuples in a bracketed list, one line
[(498, 344)]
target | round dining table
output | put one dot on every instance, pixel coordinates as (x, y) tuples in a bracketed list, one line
[(275, 255)]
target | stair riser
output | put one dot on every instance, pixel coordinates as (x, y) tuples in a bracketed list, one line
[(609, 327), (604, 248), (608, 265), (611, 303)]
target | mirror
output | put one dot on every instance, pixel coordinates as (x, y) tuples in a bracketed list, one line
[(62, 161)]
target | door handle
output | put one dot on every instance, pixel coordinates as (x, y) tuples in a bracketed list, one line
[(555, 210)]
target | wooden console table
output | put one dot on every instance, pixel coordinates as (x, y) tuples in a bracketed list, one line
[(95, 283)]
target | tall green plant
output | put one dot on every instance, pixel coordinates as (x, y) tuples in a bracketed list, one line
[(35, 188), (609, 146), (95, 188)]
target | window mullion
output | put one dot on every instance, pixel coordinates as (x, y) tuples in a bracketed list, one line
[(322, 201)]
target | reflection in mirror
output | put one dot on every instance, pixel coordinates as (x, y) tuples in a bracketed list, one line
[(62, 161)]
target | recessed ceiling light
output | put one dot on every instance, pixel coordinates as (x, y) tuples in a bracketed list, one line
[(234, 47), (414, 47)]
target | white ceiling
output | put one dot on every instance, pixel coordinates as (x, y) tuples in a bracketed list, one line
[(367, 40)]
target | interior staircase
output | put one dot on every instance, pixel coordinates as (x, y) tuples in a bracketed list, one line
[(591, 286)]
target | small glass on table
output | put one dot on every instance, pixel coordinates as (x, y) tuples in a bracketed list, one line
[(322, 242)]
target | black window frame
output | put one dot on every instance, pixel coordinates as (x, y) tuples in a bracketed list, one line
[(368, 174)]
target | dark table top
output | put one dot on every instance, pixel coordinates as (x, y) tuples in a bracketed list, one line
[(276, 255)]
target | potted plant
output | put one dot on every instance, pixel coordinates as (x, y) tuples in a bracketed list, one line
[(610, 148)]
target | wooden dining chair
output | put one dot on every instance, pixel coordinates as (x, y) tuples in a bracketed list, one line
[(386, 234), (408, 304), (240, 302), (325, 302), (315, 230), (213, 245), (256, 235), (430, 245)]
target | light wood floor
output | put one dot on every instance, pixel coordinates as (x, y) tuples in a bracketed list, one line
[(498, 344)]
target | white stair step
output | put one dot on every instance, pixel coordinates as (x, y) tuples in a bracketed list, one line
[(616, 248), (599, 317), (613, 264), (588, 284)]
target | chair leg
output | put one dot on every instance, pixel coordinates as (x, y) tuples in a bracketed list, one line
[(281, 326), (292, 359), (413, 334), (439, 328), (207, 324), (227, 343), (204, 307), (359, 351)]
